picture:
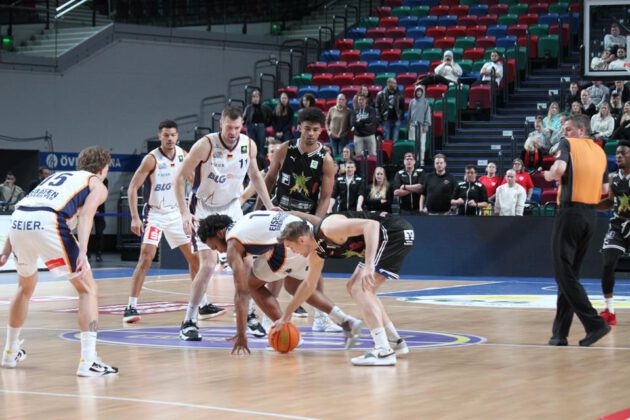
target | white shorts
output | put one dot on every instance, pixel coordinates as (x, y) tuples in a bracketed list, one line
[(233, 209), (282, 262), (170, 224), (41, 233)]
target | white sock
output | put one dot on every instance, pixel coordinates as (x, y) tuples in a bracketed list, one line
[(392, 334), (380, 339), (204, 300), (250, 308), (13, 339), (337, 315), (609, 305), (133, 302), (191, 312), (88, 346)]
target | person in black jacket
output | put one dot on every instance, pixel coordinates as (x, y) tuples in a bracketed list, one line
[(438, 188), (348, 192), (364, 122), (282, 119), (407, 185), (470, 194), (257, 117), (390, 105), (380, 196)]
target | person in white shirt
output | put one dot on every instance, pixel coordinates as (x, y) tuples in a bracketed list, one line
[(602, 124), (614, 37), (510, 197), (448, 69), (486, 70), (620, 62)]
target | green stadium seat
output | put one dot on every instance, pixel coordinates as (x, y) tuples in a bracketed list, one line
[(432, 54), (522, 56), (401, 11), (489, 52), (403, 133), (477, 65), (303, 79), (363, 44), (451, 109), (466, 65), (539, 30), (548, 44), (381, 79), (465, 42), (411, 54), (518, 9), (271, 103), (508, 2), (369, 22), (559, 8), (420, 11), (463, 95), (508, 20), (458, 53), (400, 148), (611, 147)]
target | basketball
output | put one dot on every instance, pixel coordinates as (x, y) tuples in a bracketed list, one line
[(284, 339)]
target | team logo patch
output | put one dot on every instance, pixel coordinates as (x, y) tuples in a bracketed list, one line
[(286, 179), (409, 236), (216, 338), (314, 164), (244, 149), (41, 299), (180, 158), (148, 308), (154, 233)]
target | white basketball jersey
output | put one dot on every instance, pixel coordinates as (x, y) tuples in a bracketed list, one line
[(158, 190), (219, 180), (258, 231)]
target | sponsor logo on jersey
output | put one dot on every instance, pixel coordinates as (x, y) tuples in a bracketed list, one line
[(162, 187), (300, 184), (409, 236), (244, 149), (162, 166), (219, 179), (314, 164), (286, 179), (217, 155), (180, 158), (154, 233)]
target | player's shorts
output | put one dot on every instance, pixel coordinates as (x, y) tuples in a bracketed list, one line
[(615, 240), (39, 232), (281, 263), (169, 224), (397, 239), (233, 209)]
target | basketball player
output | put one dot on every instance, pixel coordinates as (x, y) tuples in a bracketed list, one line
[(220, 162), (40, 228), (160, 215), (304, 176), (383, 241), (256, 234), (617, 240)]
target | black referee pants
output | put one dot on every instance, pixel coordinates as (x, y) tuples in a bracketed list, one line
[(572, 231)]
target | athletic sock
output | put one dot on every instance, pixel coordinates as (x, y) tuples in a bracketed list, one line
[(250, 308), (392, 334), (191, 312), (133, 302), (609, 305), (337, 315), (204, 300), (88, 346), (380, 339), (13, 339)]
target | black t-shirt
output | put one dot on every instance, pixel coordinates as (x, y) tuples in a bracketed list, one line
[(438, 190)]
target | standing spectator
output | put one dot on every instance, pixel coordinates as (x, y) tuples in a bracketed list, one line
[(346, 156), (390, 105), (419, 113), (348, 191), (470, 195), (448, 71), (364, 123), (622, 90), (380, 196), (42, 174), (522, 178), (486, 70), (616, 107), (614, 37), (338, 124), (510, 198), (307, 101), (10, 193), (282, 119), (407, 185), (491, 180), (257, 117), (363, 90), (602, 123), (623, 130), (588, 107), (438, 189), (573, 95), (552, 120), (599, 93)]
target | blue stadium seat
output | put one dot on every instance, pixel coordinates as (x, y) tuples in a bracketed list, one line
[(370, 55), (416, 32), (328, 92), (408, 22), (612, 164), (423, 43), (506, 41), (377, 67), (497, 31), (427, 21), (330, 55), (536, 195), (478, 10), (548, 19), (398, 67), (357, 33), (295, 103), (447, 21), (307, 89), (419, 66)]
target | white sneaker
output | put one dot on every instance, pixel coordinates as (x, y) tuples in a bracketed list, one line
[(400, 347), (352, 328), (266, 323), (323, 323), (375, 358), (95, 368), (10, 359)]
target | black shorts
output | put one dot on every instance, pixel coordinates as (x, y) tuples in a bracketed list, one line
[(397, 239), (615, 240)]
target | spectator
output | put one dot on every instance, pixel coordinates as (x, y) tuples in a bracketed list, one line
[(419, 113), (257, 117), (491, 180), (522, 178), (42, 174), (576, 107), (557, 135), (588, 107), (622, 90), (620, 62), (346, 156), (448, 70), (390, 106), (623, 130), (282, 119), (510, 198), (380, 196), (533, 154), (364, 122), (599, 93), (486, 70), (328, 149), (601, 61), (614, 37), (10, 193), (407, 185), (348, 191), (363, 90), (552, 120), (616, 107), (602, 123), (338, 124), (573, 95), (540, 134), (307, 101), (470, 194), (438, 189)]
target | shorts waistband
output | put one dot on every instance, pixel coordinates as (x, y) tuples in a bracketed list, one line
[(577, 205), (36, 209)]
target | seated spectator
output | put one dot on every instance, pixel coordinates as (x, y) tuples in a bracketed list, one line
[(346, 156), (623, 127), (445, 73), (620, 62), (390, 106), (282, 119), (438, 189), (601, 61), (510, 198), (602, 123), (552, 120), (407, 185), (533, 154), (522, 178), (338, 124), (364, 122), (599, 93), (42, 174), (490, 180), (419, 113), (616, 107), (576, 108), (348, 191), (380, 196), (494, 63), (10, 193), (540, 134), (257, 117), (572, 96), (614, 37), (622, 90), (557, 135), (470, 195), (588, 107)]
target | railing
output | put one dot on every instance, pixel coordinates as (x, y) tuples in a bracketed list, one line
[(206, 103), (46, 138)]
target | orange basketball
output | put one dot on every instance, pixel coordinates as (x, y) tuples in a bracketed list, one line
[(285, 338)]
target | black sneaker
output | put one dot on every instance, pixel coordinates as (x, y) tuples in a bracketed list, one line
[(131, 315), (255, 327), (189, 331), (300, 313), (210, 311)]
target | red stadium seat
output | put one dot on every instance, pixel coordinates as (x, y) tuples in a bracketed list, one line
[(317, 67), (486, 42), (321, 104), (446, 43), (511, 70), (344, 44), (468, 20), (371, 165), (438, 123), (350, 55), (291, 91), (533, 44), (343, 79), (474, 53), (408, 92), (436, 91), (388, 22), (391, 55), (387, 147), (337, 67), (517, 30), (553, 30), (439, 11), (407, 79), (375, 33), (384, 44), (374, 90), (539, 8), (434, 64), (449, 2), (480, 97), (395, 32), (528, 19), (540, 182), (457, 31), (364, 79), (460, 10), (436, 32), (477, 31), (324, 79), (498, 9), (350, 91), (403, 43), (329, 104), (488, 20), (547, 162), (393, 3), (549, 196), (382, 11), (358, 67)]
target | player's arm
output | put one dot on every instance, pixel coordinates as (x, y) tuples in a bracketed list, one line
[(256, 178), (606, 203), (559, 167), (273, 170), (144, 170), (311, 218), (235, 253), (198, 153), (306, 288), (248, 193), (6, 252), (96, 197), (328, 182), (191, 177)]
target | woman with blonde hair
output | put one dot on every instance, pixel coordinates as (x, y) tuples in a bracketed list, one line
[(552, 120), (380, 196)]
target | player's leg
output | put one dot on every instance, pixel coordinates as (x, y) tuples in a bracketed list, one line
[(192, 260), (264, 298), (147, 253), (207, 261), (321, 321), (18, 311), (611, 253)]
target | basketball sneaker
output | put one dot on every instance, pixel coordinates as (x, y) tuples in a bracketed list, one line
[(131, 315), (322, 323), (95, 368), (210, 311), (376, 357), (300, 312), (400, 347), (352, 328), (610, 318), (10, 359), (254, 327), (189, 331)]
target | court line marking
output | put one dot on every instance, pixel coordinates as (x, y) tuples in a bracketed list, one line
[(384, 294), (145, 401), (546, 346)]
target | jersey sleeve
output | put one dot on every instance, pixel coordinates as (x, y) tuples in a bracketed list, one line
[(563, 152)]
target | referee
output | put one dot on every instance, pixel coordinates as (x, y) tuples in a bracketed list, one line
[(580, 169)]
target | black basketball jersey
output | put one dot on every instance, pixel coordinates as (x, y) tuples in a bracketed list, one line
[(300, 179), (354, 245), (620, 186)]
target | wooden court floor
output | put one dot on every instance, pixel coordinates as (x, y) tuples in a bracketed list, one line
[(505, 371)]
